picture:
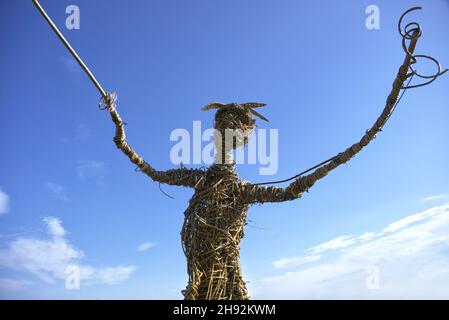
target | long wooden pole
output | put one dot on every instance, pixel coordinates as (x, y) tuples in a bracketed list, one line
[(69, 47)]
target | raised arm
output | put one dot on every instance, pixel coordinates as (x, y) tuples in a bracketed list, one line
[(179, 177), (258, 193)]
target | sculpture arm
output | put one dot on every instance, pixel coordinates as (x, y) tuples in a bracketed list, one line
[(179, 177), (257, 193)]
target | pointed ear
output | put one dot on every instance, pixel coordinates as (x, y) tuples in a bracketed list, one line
[(213, 105), (257, 114), (254, 105)]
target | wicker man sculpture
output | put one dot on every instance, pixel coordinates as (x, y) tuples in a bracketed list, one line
[(216, 216)]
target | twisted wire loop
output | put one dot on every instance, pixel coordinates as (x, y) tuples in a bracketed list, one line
[(413, 31), (107, 102)]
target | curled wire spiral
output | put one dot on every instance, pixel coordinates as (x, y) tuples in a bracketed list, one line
[(107, 102), (411, 31)]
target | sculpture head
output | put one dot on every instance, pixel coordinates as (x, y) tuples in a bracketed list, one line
[(234, 121)]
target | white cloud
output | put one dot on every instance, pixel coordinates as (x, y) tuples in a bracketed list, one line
[(337, 243), (294, 262), (87, 169), (48, 259), (58, 191), (7, 285), (412, 256), (55, 227), (113, 275), (435, 198), (145, 246), (70, 64), (4, 202), (366, 236), (82, 132), (402, 223)]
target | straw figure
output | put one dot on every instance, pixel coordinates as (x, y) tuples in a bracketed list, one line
[(215, 219), (217, 213)]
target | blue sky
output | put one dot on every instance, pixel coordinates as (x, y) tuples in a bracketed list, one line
[(67, 196)]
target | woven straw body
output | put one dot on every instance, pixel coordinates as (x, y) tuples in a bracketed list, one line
[(211, 235)]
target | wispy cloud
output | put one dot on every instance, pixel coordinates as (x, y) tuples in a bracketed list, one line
[(294, 262), (7, 285), (438, 197), (57, 191), (411, 254), (366, 236), (145, 246), (55, 227), (337, 243), (112, 275), (70, 64), (82, 132), (90, 169), (48, 259), (404, 222), (4, 202)]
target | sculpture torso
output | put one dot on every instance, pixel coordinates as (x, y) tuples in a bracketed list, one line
[(211, 234)]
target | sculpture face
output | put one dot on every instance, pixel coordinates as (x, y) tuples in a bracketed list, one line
[(234, 123), (233, 126)]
